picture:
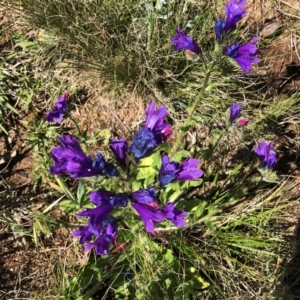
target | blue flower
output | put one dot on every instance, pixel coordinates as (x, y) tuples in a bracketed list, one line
[(108, 168), (70, 159), (99, 236), (234, 111), (219, 26), (152, 134), (184, 42), (119, 149), (244, 54), (234, 11), (59, 109), (266, 155), (171, 171)]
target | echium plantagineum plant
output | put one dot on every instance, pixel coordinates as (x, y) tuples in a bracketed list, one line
[(101, 230), (143, 182)]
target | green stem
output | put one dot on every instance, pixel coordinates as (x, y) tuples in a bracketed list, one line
[(193, 109), (76, 125), (92, 291)]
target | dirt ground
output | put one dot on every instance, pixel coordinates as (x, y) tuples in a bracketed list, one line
[(24, 268)]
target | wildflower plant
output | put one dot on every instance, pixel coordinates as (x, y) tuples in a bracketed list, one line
[(138, 189)]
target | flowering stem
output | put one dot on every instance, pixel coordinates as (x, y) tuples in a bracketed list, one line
[(180, 135)]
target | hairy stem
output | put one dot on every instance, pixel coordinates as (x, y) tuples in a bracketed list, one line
[(193, 109)]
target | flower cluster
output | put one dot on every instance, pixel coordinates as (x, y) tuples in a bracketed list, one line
[(102, 227), (243, 54)]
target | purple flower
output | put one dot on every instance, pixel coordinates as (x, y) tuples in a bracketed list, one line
[(59, 109), (189, 170), (96, 215), (70, 159), (119, 149), (174, 215), (152, 134), (244, 55), (234, 11), (98, 237), (85, 234), (146, 206), (101, 227), (184, 42), (234, 111), (266, 155), (171, 171)]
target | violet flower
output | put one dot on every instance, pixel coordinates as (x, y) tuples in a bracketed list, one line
[(145, 204), (171, 171), (266, 155), (184, 42), (60, 108), (152, 134), (234, 11), (98, 237), (234, 111), (174, 215), (244, 54), (96, 215), (70, 159), (104, 197), (119, 149)]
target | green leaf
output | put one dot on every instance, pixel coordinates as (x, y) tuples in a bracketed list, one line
[(181, 154), (168, 256), (66, 189), (235, 170), (149, 168), (67, 206), (199, 210), (165, 147), (186, 126), (80, 194), (136, 185)]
